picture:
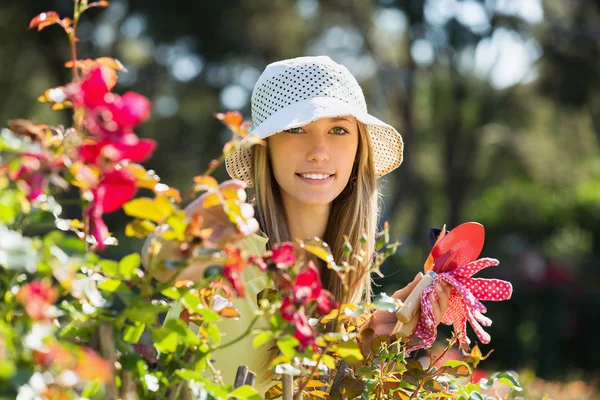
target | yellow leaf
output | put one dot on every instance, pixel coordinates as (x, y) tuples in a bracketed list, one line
[(144, 208), (320, 394), (164, 205), (206, 182), (140, 228)]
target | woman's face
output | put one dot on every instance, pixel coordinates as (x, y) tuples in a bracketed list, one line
[(312, 164)]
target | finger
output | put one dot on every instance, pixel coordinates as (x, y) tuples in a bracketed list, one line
[(247, 210), (437, 313), (403, 293), (236, 184), (443, 292)]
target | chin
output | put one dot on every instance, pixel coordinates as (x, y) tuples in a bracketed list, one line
[(316, 199)]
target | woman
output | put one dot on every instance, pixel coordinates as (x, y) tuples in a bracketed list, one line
[(316, 177)]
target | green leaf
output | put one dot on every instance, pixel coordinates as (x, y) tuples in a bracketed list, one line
[(213, 332), (245, 392), (208, 315), (349, 351), (128, 264), (109, 267), (262, 338), (113, 285), (171, 292), (173, 333), (508, 379), (133, 333), (288, 345)]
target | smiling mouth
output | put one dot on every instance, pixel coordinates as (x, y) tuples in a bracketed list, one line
[(316, 178)]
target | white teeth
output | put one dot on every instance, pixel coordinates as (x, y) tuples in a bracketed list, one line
[(315, 176)]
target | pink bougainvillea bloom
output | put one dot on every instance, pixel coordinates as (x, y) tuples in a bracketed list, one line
[(108, 114), (115, 189), (325, 302), (232, 271), (136, 150), (284, 255), (119, 187), (308, 285), (304, 332), (287, 309), (38, 297), (257, 262), (34, 171)]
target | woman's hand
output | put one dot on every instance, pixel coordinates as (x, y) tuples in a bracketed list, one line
[(383, 322), (223, 231)]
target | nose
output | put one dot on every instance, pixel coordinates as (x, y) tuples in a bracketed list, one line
[(319, 151)]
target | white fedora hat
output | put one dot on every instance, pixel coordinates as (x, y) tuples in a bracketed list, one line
[(295, 92)]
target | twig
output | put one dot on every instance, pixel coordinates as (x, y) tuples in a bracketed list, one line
[(106, 337)]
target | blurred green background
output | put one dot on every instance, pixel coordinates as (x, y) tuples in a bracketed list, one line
[(498, 102)]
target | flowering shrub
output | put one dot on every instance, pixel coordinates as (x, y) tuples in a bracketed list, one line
[(76, 325)]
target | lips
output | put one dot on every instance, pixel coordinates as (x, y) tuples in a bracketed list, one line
[(316, 179)]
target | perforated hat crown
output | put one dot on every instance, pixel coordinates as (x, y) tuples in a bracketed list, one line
[(295, 92)]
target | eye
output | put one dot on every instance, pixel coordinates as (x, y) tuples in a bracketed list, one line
[(294, 130), (338, 130)]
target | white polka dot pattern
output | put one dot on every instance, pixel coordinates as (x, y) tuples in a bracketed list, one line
[(303, 81), (463, 305)]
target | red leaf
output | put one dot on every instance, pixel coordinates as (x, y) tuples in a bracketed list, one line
[(44, 19)]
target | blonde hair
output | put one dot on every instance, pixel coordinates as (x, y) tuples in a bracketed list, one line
[(353, 213)]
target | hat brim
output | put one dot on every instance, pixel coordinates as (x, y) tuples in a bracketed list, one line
[(386, 141), (308, 110)]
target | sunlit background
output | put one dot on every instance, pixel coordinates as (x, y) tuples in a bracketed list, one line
[(498, 102)]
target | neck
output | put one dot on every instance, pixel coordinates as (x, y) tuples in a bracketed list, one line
[(306, 220)]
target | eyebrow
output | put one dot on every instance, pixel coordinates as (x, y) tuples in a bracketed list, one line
[(337, 119)]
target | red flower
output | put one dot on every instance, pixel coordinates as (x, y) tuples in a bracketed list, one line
[(325, 302), (108, 114), (129, 148), (304, 332), (287, 309), (116, 188), (257, 262), (34, 170), (38, 297), (308, 285), (119, 187), (284, 254), (232, 271)]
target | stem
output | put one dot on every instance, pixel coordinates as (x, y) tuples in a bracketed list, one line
[(72, 37), (106, 335), (421, 383), (214, 371), (325, 350), (237, 339)]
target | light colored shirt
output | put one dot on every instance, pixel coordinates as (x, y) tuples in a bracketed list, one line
[(228, 360)]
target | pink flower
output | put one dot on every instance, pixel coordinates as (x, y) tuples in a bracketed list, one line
[(257, 262), (116, 188), (34, 171), (308, 285), (38, 297), (325, 302), (304, 332), (108, 114), (287, 309), (284, 255), (133, 149)]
